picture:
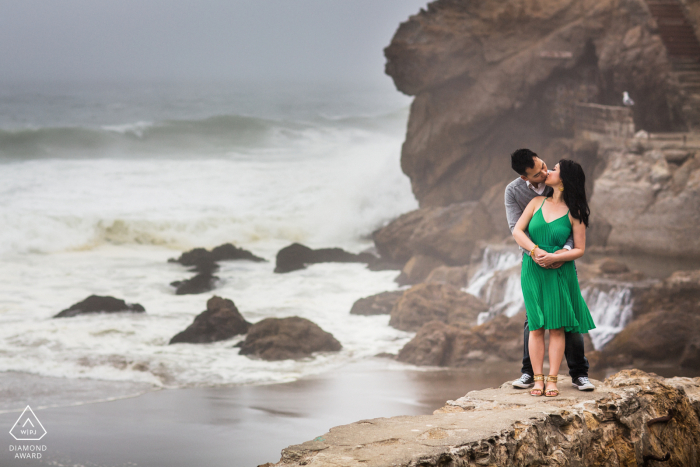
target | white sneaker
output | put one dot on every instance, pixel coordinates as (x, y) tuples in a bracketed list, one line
[(582, 383), (524, 382)]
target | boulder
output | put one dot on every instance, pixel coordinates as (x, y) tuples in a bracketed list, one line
[(200, 283), (658, 336), (204, 263), (453, 275), (379, 304), (691, 355), (392, 240), (226, 252), (286, 338), (503, 336), (417, 269), (100, 304), (440, 344), (448, 234), (297, 256), (679, 293), (611, 266), (220, 321), (423, 303)]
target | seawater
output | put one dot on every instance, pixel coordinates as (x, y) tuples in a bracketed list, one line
[(101, 184)]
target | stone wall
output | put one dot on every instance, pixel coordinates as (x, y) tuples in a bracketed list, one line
[(601, 122)]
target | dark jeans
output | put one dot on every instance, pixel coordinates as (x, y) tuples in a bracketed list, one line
[(575, 357)]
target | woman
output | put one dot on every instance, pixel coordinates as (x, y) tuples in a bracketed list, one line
[(552, 296)]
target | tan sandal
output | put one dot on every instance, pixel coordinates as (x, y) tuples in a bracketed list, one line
[(537, 392), (551, 392)]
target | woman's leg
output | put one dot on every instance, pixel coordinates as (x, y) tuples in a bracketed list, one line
[(557, 344), (536, 348)]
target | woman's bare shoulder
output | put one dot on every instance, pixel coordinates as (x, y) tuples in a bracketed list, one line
[(536, 201)]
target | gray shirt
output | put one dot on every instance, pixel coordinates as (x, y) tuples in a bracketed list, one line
[(518, 195)]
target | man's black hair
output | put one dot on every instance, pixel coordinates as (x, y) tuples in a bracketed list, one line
[(521, 160)]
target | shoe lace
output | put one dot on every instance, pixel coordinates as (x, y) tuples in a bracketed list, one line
[(583, 379), (525, 377)]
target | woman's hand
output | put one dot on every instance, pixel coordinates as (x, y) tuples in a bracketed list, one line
[(544, 259)]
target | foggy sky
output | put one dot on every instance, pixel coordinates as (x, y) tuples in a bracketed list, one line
[(124, 40)]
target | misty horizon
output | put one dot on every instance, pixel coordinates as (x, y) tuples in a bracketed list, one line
[(308, 41)]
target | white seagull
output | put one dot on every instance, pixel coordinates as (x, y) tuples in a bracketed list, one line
[(627, 100)]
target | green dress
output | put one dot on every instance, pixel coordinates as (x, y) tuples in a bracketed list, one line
[(552, 296)]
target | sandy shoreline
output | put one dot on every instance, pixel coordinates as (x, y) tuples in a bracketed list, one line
[(221, 426), (226, 425)]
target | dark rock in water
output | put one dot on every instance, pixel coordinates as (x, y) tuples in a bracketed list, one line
[(297, 256), (225, 252), (379, 304), (388, 355), (100, 304), (220, 321), (286, 338), (384, 265), (204, 263), (228, 251), (203, 282)]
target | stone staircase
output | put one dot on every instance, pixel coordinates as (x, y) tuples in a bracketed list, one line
[(683, 47)]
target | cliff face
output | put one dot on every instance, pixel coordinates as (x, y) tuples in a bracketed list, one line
[(631, 419), (492, 76)]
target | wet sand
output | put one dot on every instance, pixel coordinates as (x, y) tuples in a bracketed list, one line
[(224, 426), (228, 426)]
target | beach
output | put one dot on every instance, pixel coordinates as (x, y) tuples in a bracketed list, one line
[(242, 425)]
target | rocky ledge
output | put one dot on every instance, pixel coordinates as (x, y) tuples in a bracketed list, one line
[(633, 418)]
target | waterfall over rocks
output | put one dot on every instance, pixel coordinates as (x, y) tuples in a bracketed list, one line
[(497, 283)]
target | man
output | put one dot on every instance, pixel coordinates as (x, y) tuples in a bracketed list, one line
[(530, 183)]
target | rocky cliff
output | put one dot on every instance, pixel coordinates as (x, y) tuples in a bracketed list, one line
[(490, 77), (631, 419)]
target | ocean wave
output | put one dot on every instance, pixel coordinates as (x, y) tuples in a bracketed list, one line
[(217, 134)]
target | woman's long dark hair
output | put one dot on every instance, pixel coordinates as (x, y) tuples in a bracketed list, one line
[(574, 180)]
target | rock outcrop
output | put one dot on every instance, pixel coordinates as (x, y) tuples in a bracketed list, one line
[(205, 263), (296, 256), (199, 283), (666, 326), (492, 76), (287, 338), (220, 321), (378, 304), (423, 303), (417, 269), (439, 344), (100, 304), (630, 419), (454, 275), (649, 196), (201, 259), (448, 234)]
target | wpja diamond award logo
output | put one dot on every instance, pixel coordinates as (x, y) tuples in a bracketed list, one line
[(28, 428)]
